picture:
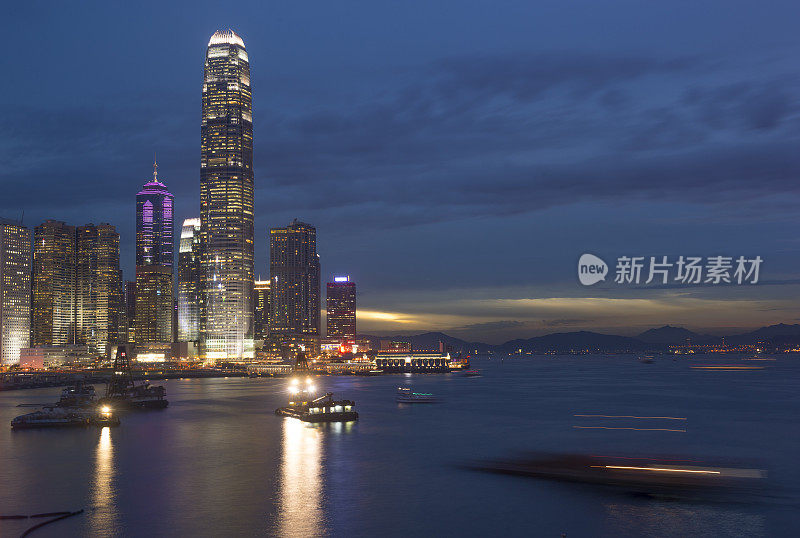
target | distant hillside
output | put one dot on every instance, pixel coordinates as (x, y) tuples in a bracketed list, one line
[(430, 342), (780, 334), (575, 342), (657, 339), (668, 335)]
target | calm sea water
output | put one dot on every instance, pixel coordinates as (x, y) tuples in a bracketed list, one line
[(218, 462)]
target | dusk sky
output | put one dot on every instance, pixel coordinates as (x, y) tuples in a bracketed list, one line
[(455, 159)]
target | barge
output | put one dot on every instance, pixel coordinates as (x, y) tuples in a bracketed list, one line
[(59, 417), (123, 393)]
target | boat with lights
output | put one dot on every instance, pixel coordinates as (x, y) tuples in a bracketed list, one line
[(405, 395), (60, 417), (304, 406)]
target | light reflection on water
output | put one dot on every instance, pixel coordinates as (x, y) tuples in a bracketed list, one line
[(103, 496), (300, 512)]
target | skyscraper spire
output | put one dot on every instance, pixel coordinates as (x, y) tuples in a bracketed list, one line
[(155, 168)]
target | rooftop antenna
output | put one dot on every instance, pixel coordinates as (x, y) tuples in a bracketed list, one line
[(22, 218), (155, 168)]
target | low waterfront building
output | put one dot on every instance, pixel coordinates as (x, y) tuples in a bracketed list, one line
[(55, 356), (270, 369), (396, 362)]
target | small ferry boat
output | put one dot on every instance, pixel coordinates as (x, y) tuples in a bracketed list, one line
[(472, 373), (322, 409), (405, 395), (647, 359)]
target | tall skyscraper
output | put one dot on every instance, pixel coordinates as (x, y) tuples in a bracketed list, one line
[(226, 200), (340, 305), (154, 262), (53, 300), (130, 311), (295, 286), (261, 313), (98, 293), (189, 281), (15, 289)]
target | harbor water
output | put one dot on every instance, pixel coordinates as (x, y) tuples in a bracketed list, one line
[(218, 462)]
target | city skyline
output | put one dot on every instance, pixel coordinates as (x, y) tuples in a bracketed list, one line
[(586, 133)]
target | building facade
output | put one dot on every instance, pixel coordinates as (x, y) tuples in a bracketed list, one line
[(189, 281), (295, 284), (98, 288), (226, 201), (53, 297), (340, 305), (154, 263), (15, 290), (261, 312)]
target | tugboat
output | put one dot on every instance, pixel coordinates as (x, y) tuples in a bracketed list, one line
[(123, 393), (322, 409), (407, 396)]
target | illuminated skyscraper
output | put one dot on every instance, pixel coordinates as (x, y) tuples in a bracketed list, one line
[(189, 281), (295, 286), (226, 200), (130, 311), (53, 300), (15, 289), (341, 308), (98, 293), (261, 313), (154, 261)]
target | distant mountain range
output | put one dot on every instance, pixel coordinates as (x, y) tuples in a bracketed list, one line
[(658, 339)]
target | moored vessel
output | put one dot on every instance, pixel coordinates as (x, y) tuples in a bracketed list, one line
[(62, 417), (123, 393)]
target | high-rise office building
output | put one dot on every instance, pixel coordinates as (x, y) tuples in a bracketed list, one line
[(15, 289), (295, 283), (154, 261), (53, 298), (340, 304), (261, 313), (98, 283), (130, 310), (189, 282), (226, 200)]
